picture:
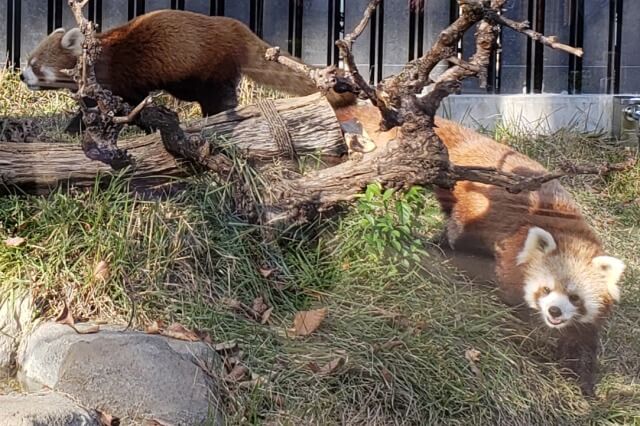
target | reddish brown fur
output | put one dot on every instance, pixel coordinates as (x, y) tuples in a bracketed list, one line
[(192, 56), (488, 219)]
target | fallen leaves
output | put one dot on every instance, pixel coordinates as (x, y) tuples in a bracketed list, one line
[(259, 311), (180, 332), (14, 242), (154, 327), (175, 331), (329, 368), (306, 322), (102, 271), (266, 272), (65, 317), (237, 373), (473, 356), (226, 347)]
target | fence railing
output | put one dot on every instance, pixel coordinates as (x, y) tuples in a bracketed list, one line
[(606, 29)]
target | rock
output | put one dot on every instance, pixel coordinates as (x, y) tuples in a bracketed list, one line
[(16, 311), (50, 409), (130, 375)]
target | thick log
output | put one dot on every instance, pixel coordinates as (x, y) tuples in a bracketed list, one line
[(260, 132)]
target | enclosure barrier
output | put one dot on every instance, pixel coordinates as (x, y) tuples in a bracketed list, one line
[(399, 32)]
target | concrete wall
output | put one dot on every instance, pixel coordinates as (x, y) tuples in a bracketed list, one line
[(544, 113)]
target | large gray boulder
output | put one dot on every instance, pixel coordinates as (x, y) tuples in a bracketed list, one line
[(16, 310), (130, 375), (43, 409)]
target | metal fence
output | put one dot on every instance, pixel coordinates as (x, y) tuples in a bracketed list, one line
[(606, 29)]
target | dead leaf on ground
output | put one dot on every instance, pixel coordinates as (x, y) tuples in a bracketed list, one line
[(259, 307), (155, 327), (107, 419), (232, 303), (230, 362), (180, 332), (306, 322), (65, 317), (229, 346), (329, 367), (473, 356), (266, 272), (204, 336), (266, 315), (102, 271), (237, 374), (14, 241), (256, 380)]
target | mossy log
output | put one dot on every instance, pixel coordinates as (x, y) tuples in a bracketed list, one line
[(293, 127)]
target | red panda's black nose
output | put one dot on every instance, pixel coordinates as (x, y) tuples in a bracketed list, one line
[(555, 312)]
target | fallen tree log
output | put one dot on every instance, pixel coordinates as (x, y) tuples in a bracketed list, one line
[(292, 128)]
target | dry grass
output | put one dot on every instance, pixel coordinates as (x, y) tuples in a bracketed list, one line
[(403, 330)]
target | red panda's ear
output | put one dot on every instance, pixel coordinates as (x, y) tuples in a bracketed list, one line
[(72, 40), (538, 242), (612, 269)]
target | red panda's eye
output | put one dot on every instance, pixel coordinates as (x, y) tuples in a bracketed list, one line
[(546, 290), (574, 298)]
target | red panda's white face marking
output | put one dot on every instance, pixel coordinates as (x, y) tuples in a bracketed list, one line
[(568, 286), (57, 52)]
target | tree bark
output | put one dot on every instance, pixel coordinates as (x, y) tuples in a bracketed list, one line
[(259, 132)]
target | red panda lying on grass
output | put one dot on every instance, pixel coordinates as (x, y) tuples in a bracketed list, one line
[(546, 255), (191, 56)]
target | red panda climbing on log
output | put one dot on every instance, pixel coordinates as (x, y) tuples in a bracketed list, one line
[(546, 255), (191, 56)]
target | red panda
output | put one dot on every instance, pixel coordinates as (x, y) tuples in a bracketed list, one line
[(191, 56), (545, 254)]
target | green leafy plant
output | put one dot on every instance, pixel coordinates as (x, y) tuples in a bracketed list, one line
[(388, 222)]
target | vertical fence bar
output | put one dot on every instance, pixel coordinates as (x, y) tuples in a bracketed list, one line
[(114, 13), (557, 22), (275, 23), (577, 40), (199, 6), (513, 55), (630, 47), (437, 14), (315, 40), (12, 37), (596, 46), (365, 45)]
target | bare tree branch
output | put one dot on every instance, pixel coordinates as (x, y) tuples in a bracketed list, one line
[(523, 27), (105, 120)]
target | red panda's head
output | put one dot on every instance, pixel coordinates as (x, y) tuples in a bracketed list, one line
[(568, 284), (58, 51)]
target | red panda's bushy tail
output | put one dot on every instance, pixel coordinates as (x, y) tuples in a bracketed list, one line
[(282, 78)]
